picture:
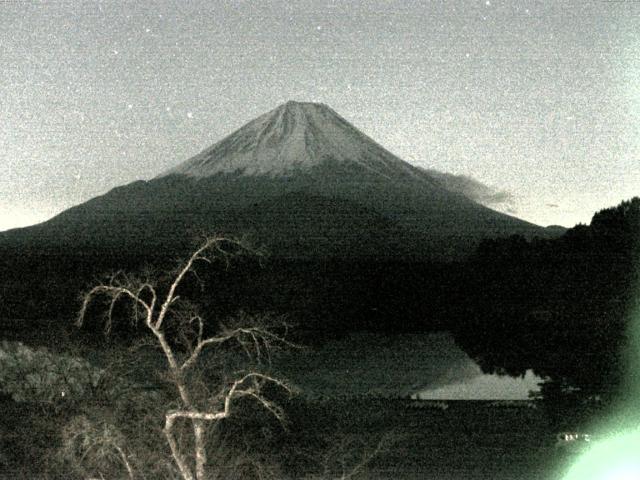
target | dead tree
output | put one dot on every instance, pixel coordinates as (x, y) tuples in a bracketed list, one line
[(156, 307)]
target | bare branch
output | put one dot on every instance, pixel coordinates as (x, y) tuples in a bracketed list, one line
[(365, 459), (197, 416), (146, 286), (181, 462), (261, 339), (213, 242), (109, 322), (347, 457), (125, 461), (236, 391), (114, 293)]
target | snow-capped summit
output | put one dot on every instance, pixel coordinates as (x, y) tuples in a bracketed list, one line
[(293, 137)]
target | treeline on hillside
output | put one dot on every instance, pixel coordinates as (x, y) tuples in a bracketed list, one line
[(558, 306)]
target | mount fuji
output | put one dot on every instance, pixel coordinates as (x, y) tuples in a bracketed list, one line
[(300, 180), (297, 138)]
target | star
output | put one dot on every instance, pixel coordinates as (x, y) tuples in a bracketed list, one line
[(190, 115)]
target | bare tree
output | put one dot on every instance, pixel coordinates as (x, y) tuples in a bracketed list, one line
[(157, 306)]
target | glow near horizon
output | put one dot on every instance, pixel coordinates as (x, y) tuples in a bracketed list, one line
[(20, 217)]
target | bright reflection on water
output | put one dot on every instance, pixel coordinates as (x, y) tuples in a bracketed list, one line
[(486, 387)]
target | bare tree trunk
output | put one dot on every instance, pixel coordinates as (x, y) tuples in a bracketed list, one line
[(185, 471), (125, 461), (198, 426), (200, 449)]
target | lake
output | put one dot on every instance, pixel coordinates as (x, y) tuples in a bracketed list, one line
[(430, 366)]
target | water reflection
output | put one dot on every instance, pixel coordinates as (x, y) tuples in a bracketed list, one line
[(485, 387), (431, 365)]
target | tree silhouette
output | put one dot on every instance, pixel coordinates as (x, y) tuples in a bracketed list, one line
[(175, 322), (559, 307)]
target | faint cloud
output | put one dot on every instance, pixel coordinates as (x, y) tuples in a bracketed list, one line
[(475, 190)]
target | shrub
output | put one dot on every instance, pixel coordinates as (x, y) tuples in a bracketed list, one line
[(39, 376), (94, 447)]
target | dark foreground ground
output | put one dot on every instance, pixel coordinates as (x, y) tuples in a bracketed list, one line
[(468, 440)]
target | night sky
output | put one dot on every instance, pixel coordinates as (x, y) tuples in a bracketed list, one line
[(539, 99)]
